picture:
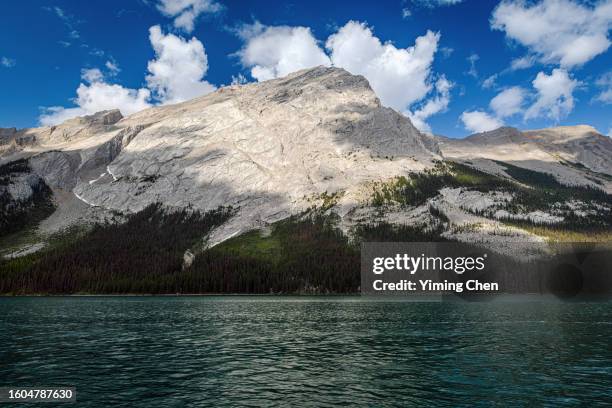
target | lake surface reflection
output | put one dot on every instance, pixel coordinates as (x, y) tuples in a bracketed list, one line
[(308, 351)]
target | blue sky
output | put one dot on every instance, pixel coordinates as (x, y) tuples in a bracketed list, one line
[(454, 67)]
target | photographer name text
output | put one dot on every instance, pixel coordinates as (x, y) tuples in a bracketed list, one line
[(410, 265)]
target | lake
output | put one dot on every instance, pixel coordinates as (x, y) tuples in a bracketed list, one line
[(308, 351)]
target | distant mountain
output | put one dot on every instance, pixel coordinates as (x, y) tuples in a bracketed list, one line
[(575, 155), (579, 144)]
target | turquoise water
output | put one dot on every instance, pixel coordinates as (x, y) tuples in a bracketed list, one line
[(308, 351)]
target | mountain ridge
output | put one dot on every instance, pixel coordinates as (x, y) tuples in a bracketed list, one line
[(316, 138)]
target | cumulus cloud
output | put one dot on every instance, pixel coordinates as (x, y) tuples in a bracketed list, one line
[(554, 95), (273, 52), (553, 99), (439, 103), (557, 31), (96, 95), (176, 73), (400, 77), (479, 121), (508, 102), (605, 84), (186, 12)]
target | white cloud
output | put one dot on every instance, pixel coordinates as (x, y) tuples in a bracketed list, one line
[(113, 67), (478, 121), (92, 75), (399, 76), (185, 12), (610, 132), (54, 115), (522, 62), (557, 31), (490, 82), (273, 52), (438, 103), (100, 96), (554, 100), (239, 79), (96, 97), (472, 60), (605, 96), (176, 73), (7, 62), (446, 51), (406, 13), (508, 102), (435, 3), (555, 95), (605, 84)]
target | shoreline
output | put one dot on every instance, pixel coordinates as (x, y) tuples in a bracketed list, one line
[(500, 298)]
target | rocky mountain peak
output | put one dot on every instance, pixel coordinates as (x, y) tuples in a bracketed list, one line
[(327, 78), (81, 127), (565, 134), (102, 118), (565, 152), (503, 134)]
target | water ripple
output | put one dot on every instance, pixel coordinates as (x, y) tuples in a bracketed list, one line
[(272, 351)]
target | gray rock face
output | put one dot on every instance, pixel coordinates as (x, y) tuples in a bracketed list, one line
[(266, 149), (82, 127), (579, 144), (22, 187), (57, 167), (6, 134)]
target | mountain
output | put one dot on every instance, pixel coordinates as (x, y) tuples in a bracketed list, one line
[(256, 173), (267, 149), (575, 155)]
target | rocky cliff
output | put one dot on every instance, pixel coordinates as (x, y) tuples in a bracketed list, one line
[(321, 138), (268, 150)]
